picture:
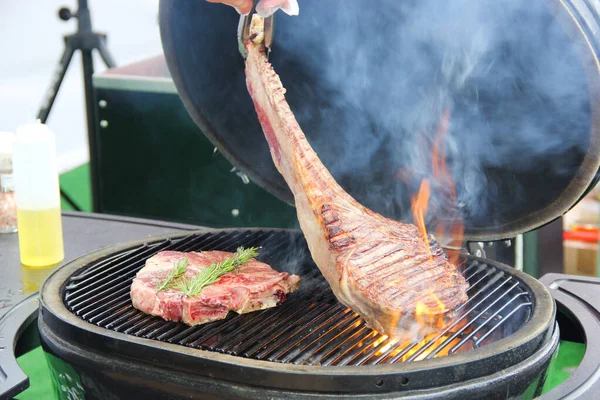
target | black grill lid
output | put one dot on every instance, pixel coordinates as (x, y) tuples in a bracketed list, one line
[(367, 78), (86, 302)]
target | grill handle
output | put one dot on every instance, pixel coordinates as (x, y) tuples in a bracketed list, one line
[(12, 378), (578, 297)]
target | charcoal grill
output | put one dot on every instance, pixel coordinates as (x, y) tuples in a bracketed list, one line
[(99, 347), (500, 343)]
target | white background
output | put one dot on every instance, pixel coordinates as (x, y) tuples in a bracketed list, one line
[(31, 43)]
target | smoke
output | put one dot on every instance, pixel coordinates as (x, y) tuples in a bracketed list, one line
[(369, 82), (295, 257), (287, 252)]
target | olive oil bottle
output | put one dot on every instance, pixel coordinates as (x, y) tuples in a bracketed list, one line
[(37, 196)]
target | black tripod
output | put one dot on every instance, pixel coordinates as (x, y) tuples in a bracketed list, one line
[(86, 41)]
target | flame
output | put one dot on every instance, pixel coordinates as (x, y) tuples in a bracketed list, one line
[(431, 347), (425, 312), (454, 229), (429, 311), (431, 341), (385, 348), (419, 208), (435, 342), (379, 340)]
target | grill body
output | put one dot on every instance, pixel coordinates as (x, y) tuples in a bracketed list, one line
[(92, 375), (500, 343)]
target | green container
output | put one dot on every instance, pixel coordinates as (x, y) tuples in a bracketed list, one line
[(154, 162)]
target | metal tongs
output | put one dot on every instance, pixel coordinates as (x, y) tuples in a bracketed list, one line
[(243, 32)]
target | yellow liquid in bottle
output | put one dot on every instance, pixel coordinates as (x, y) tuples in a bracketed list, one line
[(40, 237)]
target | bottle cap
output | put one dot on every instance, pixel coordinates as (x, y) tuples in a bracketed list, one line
[(35, 169)]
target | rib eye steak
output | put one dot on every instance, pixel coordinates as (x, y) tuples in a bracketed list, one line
[(251, 287)]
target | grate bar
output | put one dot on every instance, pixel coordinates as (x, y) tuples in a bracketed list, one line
[(86, 294), (170, 333), (491, 279), (273, 340), (335, 320), (477, 266), (358, 349), (337, 333), (196, 339), (136, 325), (464, 317), (156, 332), (208, 331), (257, 324), (206, 242), (114, 312), (404, 352), (488, 319), (331, 337), (447, 330), (82, 291), (511, 313), (100, 267), (370, 351), (233, 240), (386, 353), (152, 323), (183, 334), (242, 344), (110, 266), (274, 319), (130, 317), (333, 353), (470, 325), (194, 240), (100, 304)]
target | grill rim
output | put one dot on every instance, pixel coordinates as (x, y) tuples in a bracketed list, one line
[(516, 379), (527, 340)]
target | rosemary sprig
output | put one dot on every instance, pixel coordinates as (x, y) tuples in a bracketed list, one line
[(177, 272), (193, 286)]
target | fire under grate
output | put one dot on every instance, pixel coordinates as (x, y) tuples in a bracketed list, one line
[(311, 327)]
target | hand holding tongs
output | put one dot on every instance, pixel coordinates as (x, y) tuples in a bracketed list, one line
[(243, 33)]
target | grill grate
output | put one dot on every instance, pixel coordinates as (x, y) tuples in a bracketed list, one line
[(311, 327)]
